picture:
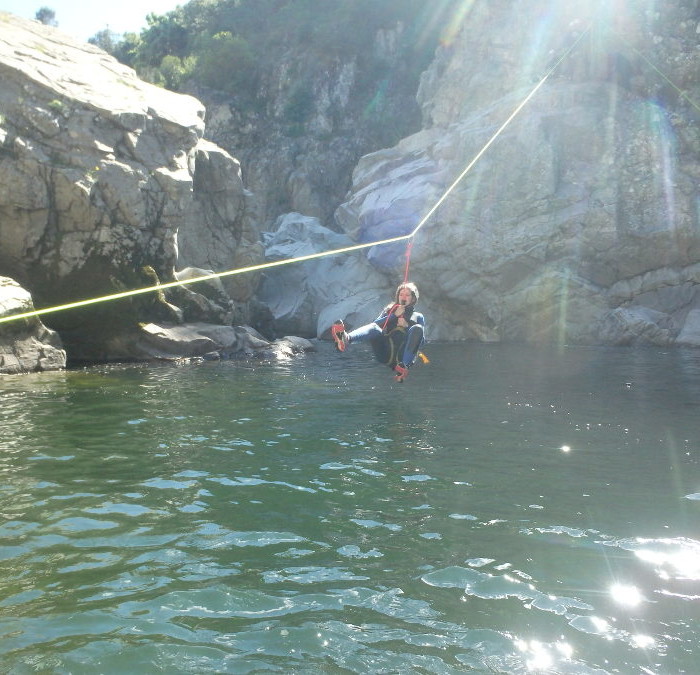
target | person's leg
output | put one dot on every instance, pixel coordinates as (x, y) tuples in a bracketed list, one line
[(340, 337), (414, 341), (370, 332), (366, 333), (373, 334)]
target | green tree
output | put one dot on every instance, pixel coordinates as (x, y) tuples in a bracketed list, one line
[(229, 44), (105, 39), (165, 35), (47, 16), (225, 62), (128, 49)]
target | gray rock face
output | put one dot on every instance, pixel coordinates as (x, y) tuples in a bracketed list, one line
[(305, 299), (93, 161), (298, 154), (220, 232), (26, 345), (579, 224), (99, 175)]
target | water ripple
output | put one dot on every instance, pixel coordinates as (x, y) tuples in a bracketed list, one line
[(307, 518)]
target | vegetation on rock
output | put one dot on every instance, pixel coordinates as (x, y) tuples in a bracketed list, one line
[(231, 45)]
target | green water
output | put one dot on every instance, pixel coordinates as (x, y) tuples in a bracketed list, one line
[(506, 510)]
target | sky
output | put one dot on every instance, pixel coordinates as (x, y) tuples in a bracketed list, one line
[(83, 18)]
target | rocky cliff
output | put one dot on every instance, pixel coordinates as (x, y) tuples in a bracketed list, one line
[(106, 184), (318, 111), (580, 223)]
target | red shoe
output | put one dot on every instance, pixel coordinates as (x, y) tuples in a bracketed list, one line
[(401, 372), (339, 335)]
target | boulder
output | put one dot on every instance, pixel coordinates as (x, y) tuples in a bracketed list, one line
[(26, 345), (204, 299), (305, 298), (221, 232), (175, 342), (100, 175), (690, 334)]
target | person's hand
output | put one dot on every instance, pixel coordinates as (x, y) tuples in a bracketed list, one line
[(402, 322), (399, 310)]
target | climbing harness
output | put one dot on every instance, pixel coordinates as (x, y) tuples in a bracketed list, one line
[(394, 349), (396, 339)]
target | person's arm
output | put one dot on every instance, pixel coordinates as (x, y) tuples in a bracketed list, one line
[(386, 312), (405, 316)]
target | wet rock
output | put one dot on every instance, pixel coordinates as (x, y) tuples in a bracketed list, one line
[(211, 342), (26, 345)]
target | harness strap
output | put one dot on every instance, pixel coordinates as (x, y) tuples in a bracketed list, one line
[(409, 246), (388, 316)]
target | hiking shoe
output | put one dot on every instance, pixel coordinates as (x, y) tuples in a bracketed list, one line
[(401, 372), (339, 335)]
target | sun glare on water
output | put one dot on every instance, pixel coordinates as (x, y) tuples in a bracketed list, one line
[(626, 595)]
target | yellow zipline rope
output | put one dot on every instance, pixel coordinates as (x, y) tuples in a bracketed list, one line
[(206, 277), (312, 256)]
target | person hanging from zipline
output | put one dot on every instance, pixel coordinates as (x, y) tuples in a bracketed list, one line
[(395, 336)]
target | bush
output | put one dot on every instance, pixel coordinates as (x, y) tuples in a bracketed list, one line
[(225, 62), (164, 36), (175, 70), (228, 44), (299, 105)]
